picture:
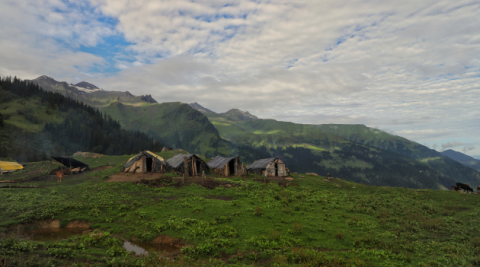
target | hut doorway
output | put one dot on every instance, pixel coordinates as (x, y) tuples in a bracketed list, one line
[(231, 167), (198, 169), (149, 164)]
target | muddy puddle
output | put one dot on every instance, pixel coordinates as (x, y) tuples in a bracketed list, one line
[(142, 248), (53, 234)]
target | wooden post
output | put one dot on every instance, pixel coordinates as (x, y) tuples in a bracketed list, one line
[(185, 168)]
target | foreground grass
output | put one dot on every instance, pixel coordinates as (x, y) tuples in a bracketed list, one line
[(310, 223)]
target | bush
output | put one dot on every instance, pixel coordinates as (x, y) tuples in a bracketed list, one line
[(258, 211)]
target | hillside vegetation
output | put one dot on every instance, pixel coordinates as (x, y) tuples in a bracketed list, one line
[(379, 139), (39, 124), (463, 159), (308, 148), (311, 221)]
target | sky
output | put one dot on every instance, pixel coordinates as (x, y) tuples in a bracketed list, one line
[(411, 68)]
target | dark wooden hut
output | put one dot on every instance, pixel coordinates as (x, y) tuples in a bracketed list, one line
[(188, 165), (269, 167), (227, 166)]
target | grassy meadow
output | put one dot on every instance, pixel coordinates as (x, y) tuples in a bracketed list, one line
[(243, 221)]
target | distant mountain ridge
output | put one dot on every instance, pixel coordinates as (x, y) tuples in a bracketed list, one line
[(90, 93), (466, 160), (232, 114), (200, 108)]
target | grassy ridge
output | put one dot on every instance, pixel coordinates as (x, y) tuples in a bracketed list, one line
[(176, 124), (308, 148), (335, 223)]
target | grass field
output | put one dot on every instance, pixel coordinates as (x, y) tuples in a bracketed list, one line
[(242, 222)]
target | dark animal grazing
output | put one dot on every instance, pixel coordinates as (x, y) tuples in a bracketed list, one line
[(454, 188), (465, 187), (478, 188)]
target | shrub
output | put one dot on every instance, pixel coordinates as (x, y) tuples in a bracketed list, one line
[(339, 235), (296, 229), (258, 211)]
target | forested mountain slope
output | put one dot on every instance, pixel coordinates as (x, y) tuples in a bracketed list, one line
[(462, 158), (38, 124), (382, 140), (311, 149), (178, 125)]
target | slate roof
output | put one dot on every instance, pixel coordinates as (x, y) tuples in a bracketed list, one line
[(70, 162), (177, 160), (219, 162), (261, 163)]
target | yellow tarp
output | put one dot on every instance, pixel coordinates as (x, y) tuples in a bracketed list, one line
[(9, 166), (151, 153), (155, 155)]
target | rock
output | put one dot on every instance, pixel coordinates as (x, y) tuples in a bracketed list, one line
[(289, 179), (312, 173)]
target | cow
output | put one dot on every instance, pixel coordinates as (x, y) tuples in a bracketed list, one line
[(59, 176), (465, 187), (478, 188)]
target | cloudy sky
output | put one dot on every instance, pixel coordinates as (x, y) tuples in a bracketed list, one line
[(408, 67)]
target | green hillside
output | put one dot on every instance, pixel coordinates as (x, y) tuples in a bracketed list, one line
[(176, 124), (38, 124), (237, 221), (463, 159), (362, 134), (382, 140), (309, 148)]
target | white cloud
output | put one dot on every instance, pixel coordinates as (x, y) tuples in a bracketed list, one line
[(451, 145), (409, 66)]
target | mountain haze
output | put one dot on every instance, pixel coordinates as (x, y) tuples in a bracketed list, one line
[(462, 158)]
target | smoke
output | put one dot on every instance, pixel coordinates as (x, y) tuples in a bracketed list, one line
[(451, 144), (468, 148)]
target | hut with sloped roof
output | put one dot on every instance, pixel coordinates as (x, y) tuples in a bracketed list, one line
[(227, 166), (143, 162), (269, 167), (188, 165)]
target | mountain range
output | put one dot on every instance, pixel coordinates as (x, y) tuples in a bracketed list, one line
[(91, 94), (352, 152)]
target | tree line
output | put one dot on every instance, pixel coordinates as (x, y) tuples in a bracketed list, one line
[(84, 128)]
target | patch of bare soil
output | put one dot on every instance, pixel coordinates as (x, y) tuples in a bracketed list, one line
[(102, 168), (167, 240), (179, 182), (129, 177), (282, 181)]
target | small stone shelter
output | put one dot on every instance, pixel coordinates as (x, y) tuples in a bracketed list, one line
[(188, 165), (227, 166), (145, 161), (269, 167)]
